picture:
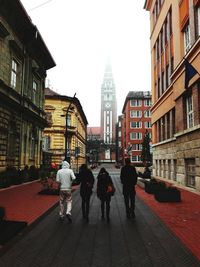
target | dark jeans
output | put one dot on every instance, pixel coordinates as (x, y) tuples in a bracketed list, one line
[(129, 200), (85, 206), (107, 202)]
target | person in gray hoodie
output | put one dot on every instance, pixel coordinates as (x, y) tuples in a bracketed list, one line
[(64, 178)]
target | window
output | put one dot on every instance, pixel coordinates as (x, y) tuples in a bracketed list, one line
[(32, 146), (147, 114), (167, 76), (135, 158), (69, 120), (137, 147), (170, 22), (190, 172), (46, 143), (147, 103), (166, 31), (172, 65), (34, 92), (189, 110), (13, 81), (136, 136), (147, 124), (186, 33), (159, 94), (197, 17), (136, 103), (161, 41), (162, 81), (136, 124), (119, 133), (136, 114), (175, 169)]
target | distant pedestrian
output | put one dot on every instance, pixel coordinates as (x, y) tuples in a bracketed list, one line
[(86, 179), (103, 181), (64, 178), (128, 178)]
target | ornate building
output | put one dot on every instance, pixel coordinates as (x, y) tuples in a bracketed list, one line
[(175, 45), (24, 60), (108, 116), (66, 133)]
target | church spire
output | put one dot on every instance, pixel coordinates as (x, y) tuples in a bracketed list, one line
[(108, 106)]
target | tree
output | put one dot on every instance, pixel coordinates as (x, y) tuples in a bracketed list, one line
[(146, 156)]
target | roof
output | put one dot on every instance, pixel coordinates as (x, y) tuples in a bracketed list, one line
[(16, 16), (93, 130), (50, 94), (136, 95)]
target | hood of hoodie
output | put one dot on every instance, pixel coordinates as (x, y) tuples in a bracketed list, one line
[(65, 165)]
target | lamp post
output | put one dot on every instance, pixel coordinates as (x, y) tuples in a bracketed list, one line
[(67, 158)]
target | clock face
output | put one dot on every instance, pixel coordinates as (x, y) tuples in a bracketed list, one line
[(107, 105)]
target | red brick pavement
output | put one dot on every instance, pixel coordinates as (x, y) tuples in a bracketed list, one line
[(23, 203), (183, 218)]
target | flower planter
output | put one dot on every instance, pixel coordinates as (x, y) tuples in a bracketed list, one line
[(153, 186), (168, 195)]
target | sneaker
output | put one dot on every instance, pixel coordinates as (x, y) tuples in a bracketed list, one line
[(133, 214), (69, 217), (128, 216), (61, 218)]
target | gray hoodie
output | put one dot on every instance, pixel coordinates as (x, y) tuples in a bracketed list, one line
[(65, 176)]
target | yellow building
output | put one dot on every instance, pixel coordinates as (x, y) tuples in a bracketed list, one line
[(61, 111), (175, 36)]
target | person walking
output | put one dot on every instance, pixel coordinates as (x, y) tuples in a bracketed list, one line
[(86, 179), (64, 178), (103, 181), (128, 178)]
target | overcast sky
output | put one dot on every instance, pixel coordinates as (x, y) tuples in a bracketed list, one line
[(82, 34)]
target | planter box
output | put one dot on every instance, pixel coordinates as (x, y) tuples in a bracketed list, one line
[(168, 195), (153, 187)]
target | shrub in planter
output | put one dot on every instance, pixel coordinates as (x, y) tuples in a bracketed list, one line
[(170, 194), (2, 213), (33, 173), (146, 174), (4, 180), (153, 186), (25, 174)]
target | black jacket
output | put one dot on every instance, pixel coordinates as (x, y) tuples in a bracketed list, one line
[(86, 179), (128, 178), (103, 180)]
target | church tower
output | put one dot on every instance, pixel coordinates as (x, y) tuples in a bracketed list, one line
[(108, 112)]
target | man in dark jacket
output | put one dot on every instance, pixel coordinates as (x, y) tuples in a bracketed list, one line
[(128, 178)]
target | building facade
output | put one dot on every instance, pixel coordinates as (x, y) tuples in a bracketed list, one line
[(108, 115), (136, 122), (119, 148), (175, 31), (66, 133), (24, 60)]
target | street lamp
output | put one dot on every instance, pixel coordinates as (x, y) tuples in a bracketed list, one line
[(67, 158)]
